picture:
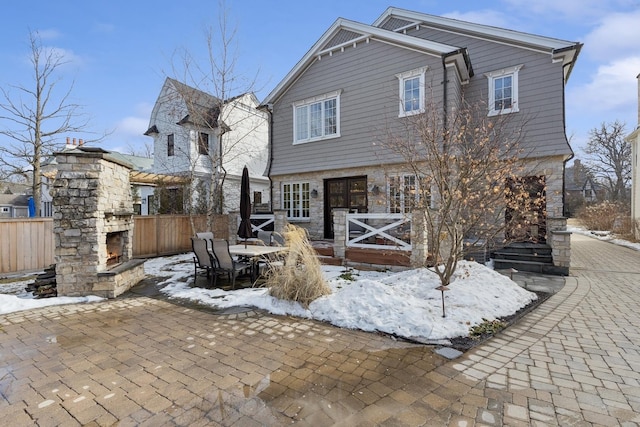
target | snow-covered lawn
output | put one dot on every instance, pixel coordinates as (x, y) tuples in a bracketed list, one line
[(405, 304)]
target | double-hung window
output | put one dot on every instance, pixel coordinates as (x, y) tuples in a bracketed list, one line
[(295, 199), (170, 146), (203, 143), (407, 192), (317, 118), (503, 90), (412, 96)]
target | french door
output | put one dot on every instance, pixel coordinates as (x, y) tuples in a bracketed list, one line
[(349, 193)]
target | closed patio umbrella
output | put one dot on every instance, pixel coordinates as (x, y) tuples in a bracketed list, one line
[(245, 230)]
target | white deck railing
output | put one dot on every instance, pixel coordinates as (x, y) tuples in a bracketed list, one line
[(266, 220), (379, 231)]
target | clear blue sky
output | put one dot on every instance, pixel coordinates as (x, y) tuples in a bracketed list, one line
[(120, 52)]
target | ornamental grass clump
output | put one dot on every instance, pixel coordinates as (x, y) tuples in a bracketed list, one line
[(300, 276)]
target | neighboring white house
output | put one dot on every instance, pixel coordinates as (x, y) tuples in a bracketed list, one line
[(197, 135), (634, 140)]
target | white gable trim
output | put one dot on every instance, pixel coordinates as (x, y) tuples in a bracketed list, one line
[(470, 28), (562, 51), (368, 33)]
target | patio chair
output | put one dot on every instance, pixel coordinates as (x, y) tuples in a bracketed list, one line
[(208, 236), (265, 238), (203, 260), (277, 239), (225, 263)]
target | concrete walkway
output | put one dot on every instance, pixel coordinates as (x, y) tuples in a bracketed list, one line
[(144, 361)]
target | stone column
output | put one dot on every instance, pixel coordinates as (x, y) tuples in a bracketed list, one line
[(560, 242), (340, 233), (419, 238), (280, 221)]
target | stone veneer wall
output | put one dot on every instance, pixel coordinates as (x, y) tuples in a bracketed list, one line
[(92, 197), (551, 167)]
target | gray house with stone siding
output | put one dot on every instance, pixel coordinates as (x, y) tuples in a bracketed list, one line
[(358, 80)]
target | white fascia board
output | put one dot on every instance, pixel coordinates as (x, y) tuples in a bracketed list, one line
[(471, 28), (368, 31)]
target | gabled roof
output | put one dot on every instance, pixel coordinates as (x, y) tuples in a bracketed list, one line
[(345, 33), (203, 109), (14, 200), (398, 20), (577, 176), (7, 187)]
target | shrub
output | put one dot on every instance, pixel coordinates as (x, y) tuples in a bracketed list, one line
[(300, 277), (487, 327), (601, 216), (627, 228), (348, 276)]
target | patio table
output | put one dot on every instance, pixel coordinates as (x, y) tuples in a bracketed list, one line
[(255, 253)]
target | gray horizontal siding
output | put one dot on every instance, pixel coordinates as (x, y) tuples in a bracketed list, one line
[(369, 107), (541, 87), (369, 100)]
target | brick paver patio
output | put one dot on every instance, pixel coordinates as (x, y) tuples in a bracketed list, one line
[(143, 361)]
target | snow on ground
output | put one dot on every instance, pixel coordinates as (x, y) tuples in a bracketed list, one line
[(606, 236), (404, 303), (13, 297)]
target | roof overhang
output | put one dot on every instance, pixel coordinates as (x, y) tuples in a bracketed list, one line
[(560, 50), (152, 130), (367, 33), (634, 136)]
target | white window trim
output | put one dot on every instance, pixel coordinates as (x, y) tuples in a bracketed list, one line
[(335, 94), (491, 77), (403, 201), (301, 207), (419, 72)]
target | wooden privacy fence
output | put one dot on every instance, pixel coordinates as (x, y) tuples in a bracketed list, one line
[(158, 235), (26, 244), (29, 244)]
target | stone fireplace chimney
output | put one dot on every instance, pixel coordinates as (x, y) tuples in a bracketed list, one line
[(93, 224)]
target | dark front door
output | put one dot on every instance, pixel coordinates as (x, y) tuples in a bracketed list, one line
[(348, 193), (526, 213)]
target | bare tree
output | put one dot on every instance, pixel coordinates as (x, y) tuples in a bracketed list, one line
[(145, 150), (36, 115), (610, 158), (221, 117), (469, 172)]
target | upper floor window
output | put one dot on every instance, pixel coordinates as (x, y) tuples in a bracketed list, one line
[(170, 146), (295, 199), (203, 143), (503, 90), (407, 192), (412, 96), (317, 118)]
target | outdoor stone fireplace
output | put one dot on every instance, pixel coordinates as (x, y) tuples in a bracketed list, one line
[(93, 225)]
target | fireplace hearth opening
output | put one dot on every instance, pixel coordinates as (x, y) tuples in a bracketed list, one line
[(115, 248)]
